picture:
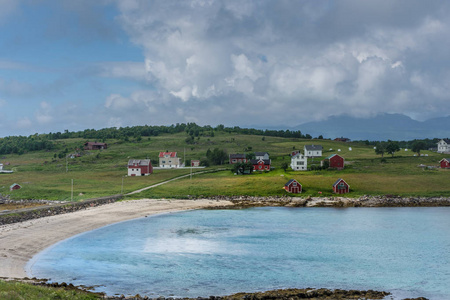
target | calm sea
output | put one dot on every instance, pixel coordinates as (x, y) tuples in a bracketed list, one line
[(405, 251)]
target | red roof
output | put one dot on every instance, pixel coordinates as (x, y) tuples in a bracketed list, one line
[(171, 154)]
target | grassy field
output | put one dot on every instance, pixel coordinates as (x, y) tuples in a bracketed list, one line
[(12, 290), (101, 173)]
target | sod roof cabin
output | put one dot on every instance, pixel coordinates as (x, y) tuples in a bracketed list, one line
[(293, 186), (15, 186)]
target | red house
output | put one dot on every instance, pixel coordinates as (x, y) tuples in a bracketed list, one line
[(334, 161), (237, 158), (195, 163), (445, 163), (341, 187), (261, 164), (139, 167), (95, 146), (293, 186)]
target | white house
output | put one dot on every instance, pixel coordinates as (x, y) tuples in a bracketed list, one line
[(299, 162), (169, 160), (443, 146), (313, 150), (261, 155)]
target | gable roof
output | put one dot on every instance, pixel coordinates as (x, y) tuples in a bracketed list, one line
[(14, 184), (171, 154), (139, 162), (332, 155), (446, 140), (447, 159), (261, 153), (339, 180), (265, 161), (290, 181), (94, 144), (297, 155), (237, 155), (313, 147)]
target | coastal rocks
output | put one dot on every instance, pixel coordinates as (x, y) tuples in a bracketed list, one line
[(363, 201), (52, 210)]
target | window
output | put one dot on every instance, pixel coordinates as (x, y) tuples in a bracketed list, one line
[(294, 183), (300, 163)]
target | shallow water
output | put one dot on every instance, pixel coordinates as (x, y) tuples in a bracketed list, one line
[(216, 252)]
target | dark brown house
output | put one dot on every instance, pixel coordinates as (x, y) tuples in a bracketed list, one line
[(95, 146)]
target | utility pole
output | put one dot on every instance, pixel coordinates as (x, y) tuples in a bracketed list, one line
[(122, 185), (71, 194)]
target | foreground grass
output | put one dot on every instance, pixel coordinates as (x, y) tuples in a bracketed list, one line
[(13, 290)]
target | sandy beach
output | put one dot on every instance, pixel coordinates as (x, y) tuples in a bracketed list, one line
[(19, 242)]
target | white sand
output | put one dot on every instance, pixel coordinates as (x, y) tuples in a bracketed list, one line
[(19, 242)]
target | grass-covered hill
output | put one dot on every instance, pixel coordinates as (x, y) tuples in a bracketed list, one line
[(48, 173)]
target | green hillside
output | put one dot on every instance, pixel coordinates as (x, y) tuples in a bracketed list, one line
[(44, 175)]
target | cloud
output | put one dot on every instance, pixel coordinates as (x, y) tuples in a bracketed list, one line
[(339, 56), (266, 63)]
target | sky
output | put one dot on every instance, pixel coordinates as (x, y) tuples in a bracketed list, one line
[(75, 65)]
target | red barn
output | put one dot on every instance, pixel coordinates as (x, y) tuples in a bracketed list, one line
[(334, 161), (95, 146), (445, 163), (341, 187), (139, 167), (261, 164), (293, 186)]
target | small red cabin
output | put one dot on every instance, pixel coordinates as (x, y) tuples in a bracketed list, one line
[(195, 163), (293, 186), (334, 161), (341, 187), (15, 186), (261, 164), (445, 163)]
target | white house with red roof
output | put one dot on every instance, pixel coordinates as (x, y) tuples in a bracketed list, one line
[(169, 160)]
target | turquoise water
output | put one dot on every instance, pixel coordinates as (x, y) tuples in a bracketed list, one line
[(215, 252)]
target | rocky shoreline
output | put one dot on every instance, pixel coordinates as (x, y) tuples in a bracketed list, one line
[(363, 201), (282, 294), (59, 207)]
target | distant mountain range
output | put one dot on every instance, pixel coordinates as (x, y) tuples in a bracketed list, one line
[(381, 127)]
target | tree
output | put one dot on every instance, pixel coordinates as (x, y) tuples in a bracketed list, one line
[(392, 147), (380, 148), (284, 166), (217, 156), (243, 168), (250, 156), (417, 146)]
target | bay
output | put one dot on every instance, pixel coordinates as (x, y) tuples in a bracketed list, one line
[(405, 251)]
